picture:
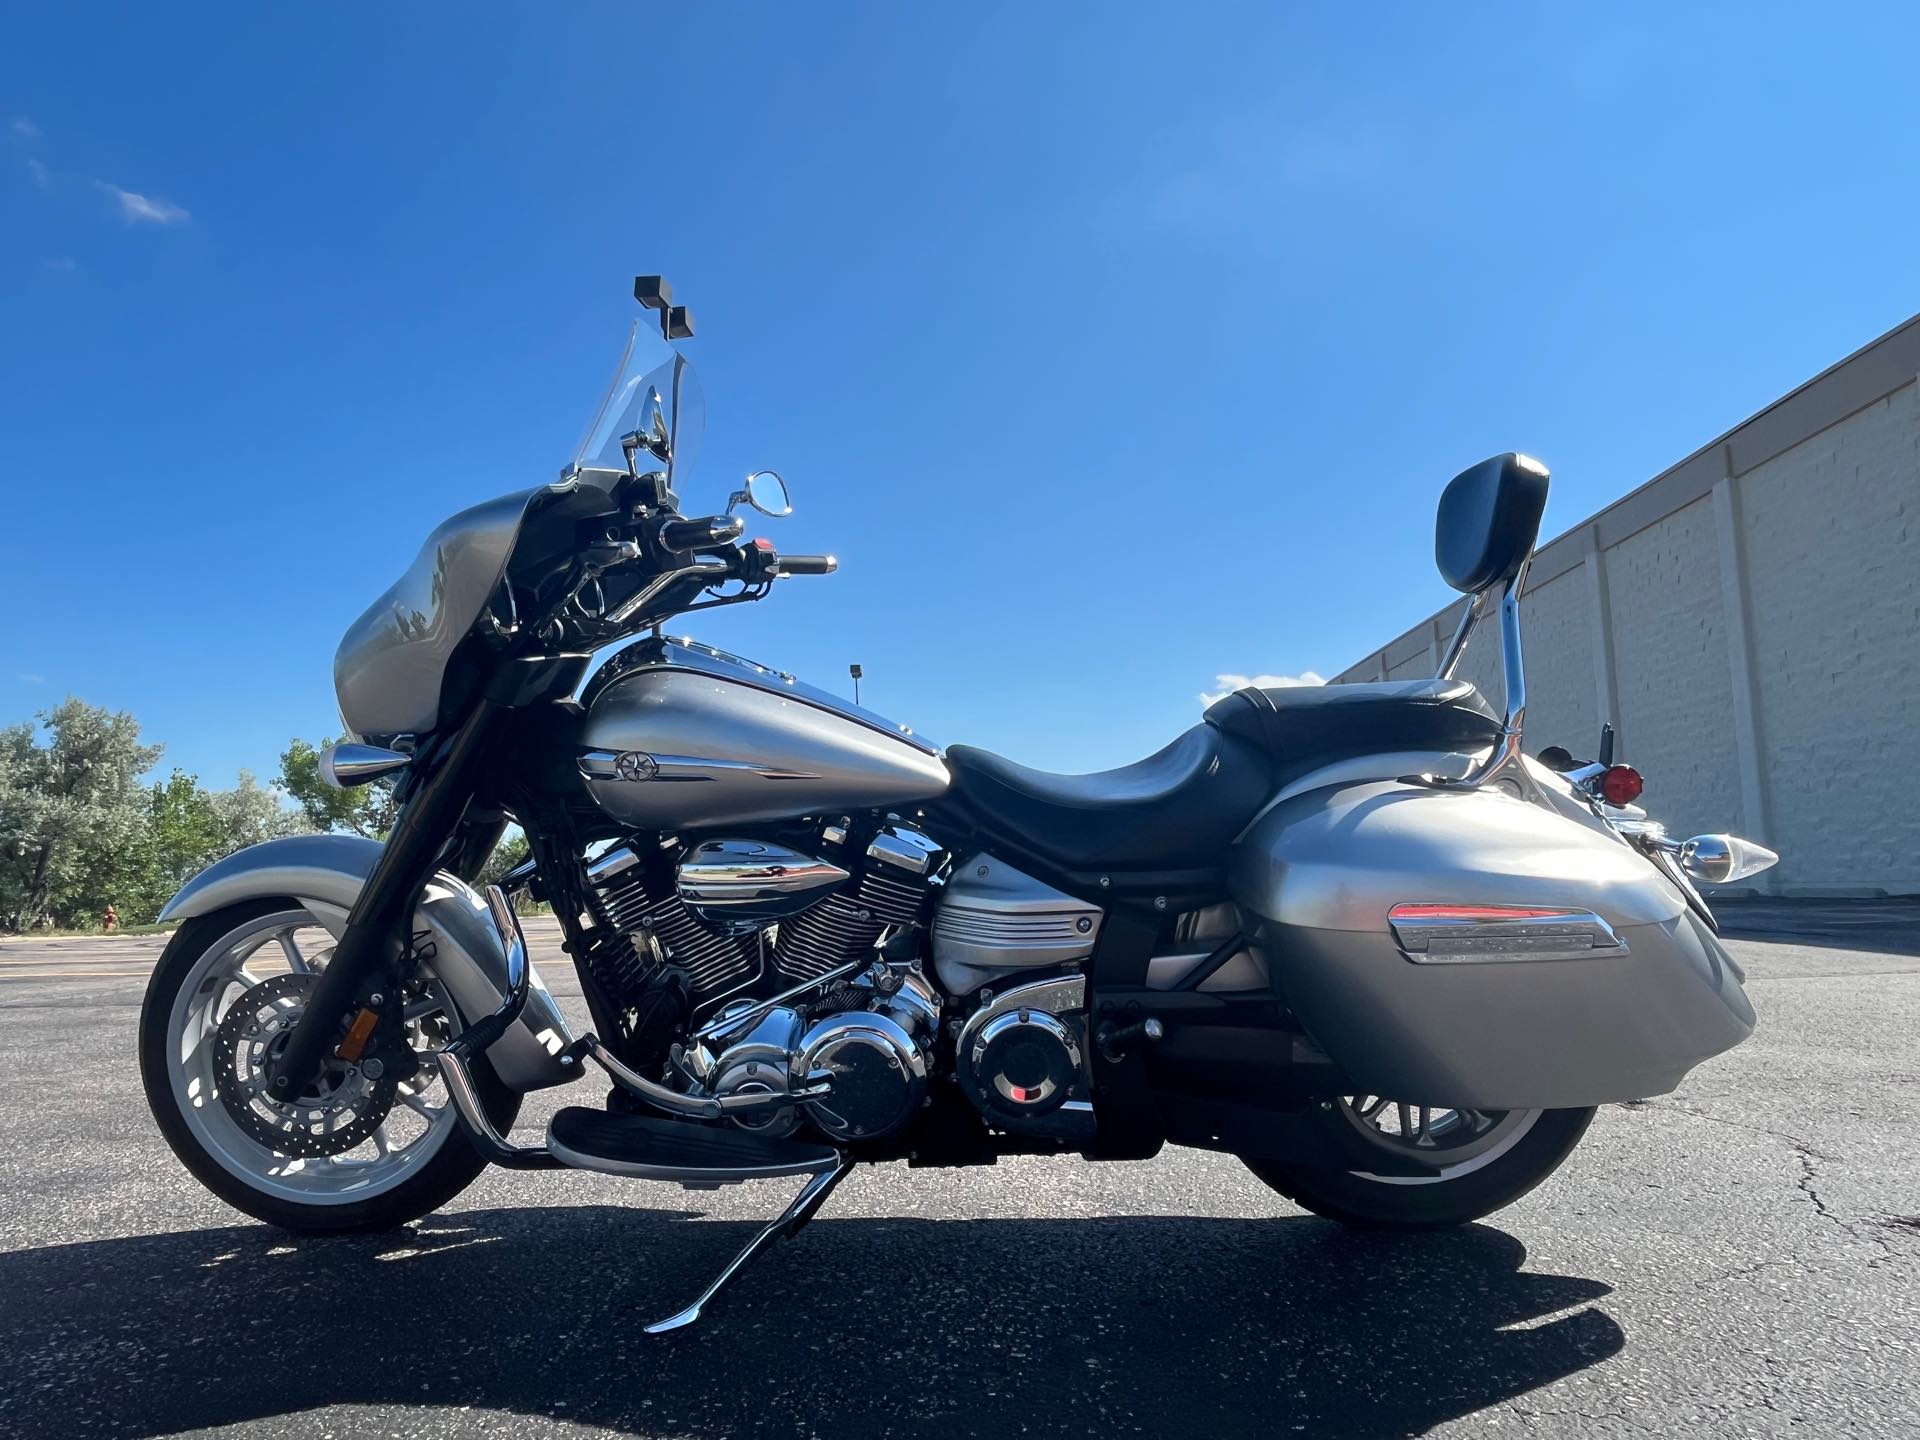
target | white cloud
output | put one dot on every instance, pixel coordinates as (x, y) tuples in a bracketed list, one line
[(39, 173), (24, 129), (28, 677), (60, 264), (137, 209), (1230, 683)]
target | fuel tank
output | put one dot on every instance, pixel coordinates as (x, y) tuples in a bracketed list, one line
[(1473, 948), (680, 735)]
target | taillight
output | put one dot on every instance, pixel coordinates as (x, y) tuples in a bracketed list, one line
[(1621, 785)]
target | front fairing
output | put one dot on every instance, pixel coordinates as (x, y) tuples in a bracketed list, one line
[(391, 667)]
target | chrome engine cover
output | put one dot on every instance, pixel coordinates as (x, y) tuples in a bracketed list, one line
[(741, 886), (876, 1060), (759, 1063), (878, 1074), (1022, 1059)]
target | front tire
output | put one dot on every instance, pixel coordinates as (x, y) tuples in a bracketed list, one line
[(205, 968), (1536, 1144)]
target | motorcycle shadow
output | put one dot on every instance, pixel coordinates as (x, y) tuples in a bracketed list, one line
[(860, 1327)]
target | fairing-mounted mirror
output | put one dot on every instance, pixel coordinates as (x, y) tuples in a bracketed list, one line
[(650, 434), (765, 491)]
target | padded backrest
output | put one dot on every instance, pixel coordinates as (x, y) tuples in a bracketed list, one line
[(1489, 518)]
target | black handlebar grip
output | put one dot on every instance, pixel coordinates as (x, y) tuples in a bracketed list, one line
[(707, 533), (808, 564)]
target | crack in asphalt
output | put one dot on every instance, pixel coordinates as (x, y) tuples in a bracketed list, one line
[(1809, 1160)]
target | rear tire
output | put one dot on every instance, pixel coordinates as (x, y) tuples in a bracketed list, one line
[(429, 1183), (1374, 1202)]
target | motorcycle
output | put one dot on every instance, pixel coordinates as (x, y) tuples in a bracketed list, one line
[(1353, 935)]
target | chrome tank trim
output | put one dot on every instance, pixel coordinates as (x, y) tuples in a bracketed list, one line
[(1492, 934), (641, 767), (326, 873)]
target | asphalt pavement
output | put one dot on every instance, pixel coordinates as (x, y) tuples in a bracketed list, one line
[(1740, 1258)]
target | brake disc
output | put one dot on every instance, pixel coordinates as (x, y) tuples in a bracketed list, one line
[(340, 1110)]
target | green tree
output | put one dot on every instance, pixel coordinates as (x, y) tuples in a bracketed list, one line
[(250, 813), (365, 810), (182, 835), (189, 827), (511, 850), (73, 814)]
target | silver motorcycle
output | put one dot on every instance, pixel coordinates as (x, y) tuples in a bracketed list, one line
[(1353, 934)]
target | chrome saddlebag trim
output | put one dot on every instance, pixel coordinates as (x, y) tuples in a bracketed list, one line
[(1494, 934)]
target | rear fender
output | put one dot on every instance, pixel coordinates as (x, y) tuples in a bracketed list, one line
[(325, 873)]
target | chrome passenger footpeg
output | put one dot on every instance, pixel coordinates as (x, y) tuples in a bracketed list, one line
[(789, 1222), (648, 1147)]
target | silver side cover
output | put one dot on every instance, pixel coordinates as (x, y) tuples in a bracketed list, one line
[(994, 918)]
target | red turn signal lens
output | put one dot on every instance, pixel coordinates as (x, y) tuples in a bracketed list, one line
[(1621, 785)]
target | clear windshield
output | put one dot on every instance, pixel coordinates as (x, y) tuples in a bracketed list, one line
[(656, 393)]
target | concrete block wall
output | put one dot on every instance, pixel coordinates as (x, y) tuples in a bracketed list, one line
[(1749, 621)]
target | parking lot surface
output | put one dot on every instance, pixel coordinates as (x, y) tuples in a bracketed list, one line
[(1739, 1258)]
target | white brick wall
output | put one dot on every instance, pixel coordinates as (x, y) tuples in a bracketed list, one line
[(1815, 545), (1671, 671), (1831, 531)]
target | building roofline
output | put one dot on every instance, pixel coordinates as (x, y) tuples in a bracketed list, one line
[(1874, 371)]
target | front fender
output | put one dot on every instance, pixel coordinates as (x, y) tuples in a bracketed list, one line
[(325, 874)]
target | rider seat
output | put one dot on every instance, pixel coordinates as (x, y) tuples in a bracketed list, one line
[(1183, 805), (1189, 799)]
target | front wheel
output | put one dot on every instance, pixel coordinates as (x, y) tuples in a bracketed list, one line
[(1486, 1160), (355, 1152)]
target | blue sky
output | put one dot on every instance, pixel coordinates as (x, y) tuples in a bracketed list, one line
[(1113, 349)]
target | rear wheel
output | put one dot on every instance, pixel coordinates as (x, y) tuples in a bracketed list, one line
[(355, 1152), (1485, 1160)]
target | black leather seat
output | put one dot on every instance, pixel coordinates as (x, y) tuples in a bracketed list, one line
[(1305, 725), (1182, 806), (1178, 807)]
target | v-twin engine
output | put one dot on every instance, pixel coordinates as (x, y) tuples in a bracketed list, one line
[(855, 1062)]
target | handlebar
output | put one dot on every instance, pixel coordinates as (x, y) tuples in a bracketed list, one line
[(807, 565), (709, 532)]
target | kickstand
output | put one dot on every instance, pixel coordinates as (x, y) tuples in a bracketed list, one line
[(789, 1222)]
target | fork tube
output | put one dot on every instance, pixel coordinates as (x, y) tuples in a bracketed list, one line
[(371, 945)]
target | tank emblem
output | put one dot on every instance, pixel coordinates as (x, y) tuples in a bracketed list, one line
[(635, 765)]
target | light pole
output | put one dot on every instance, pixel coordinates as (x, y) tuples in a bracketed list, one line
[(856, 672)]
